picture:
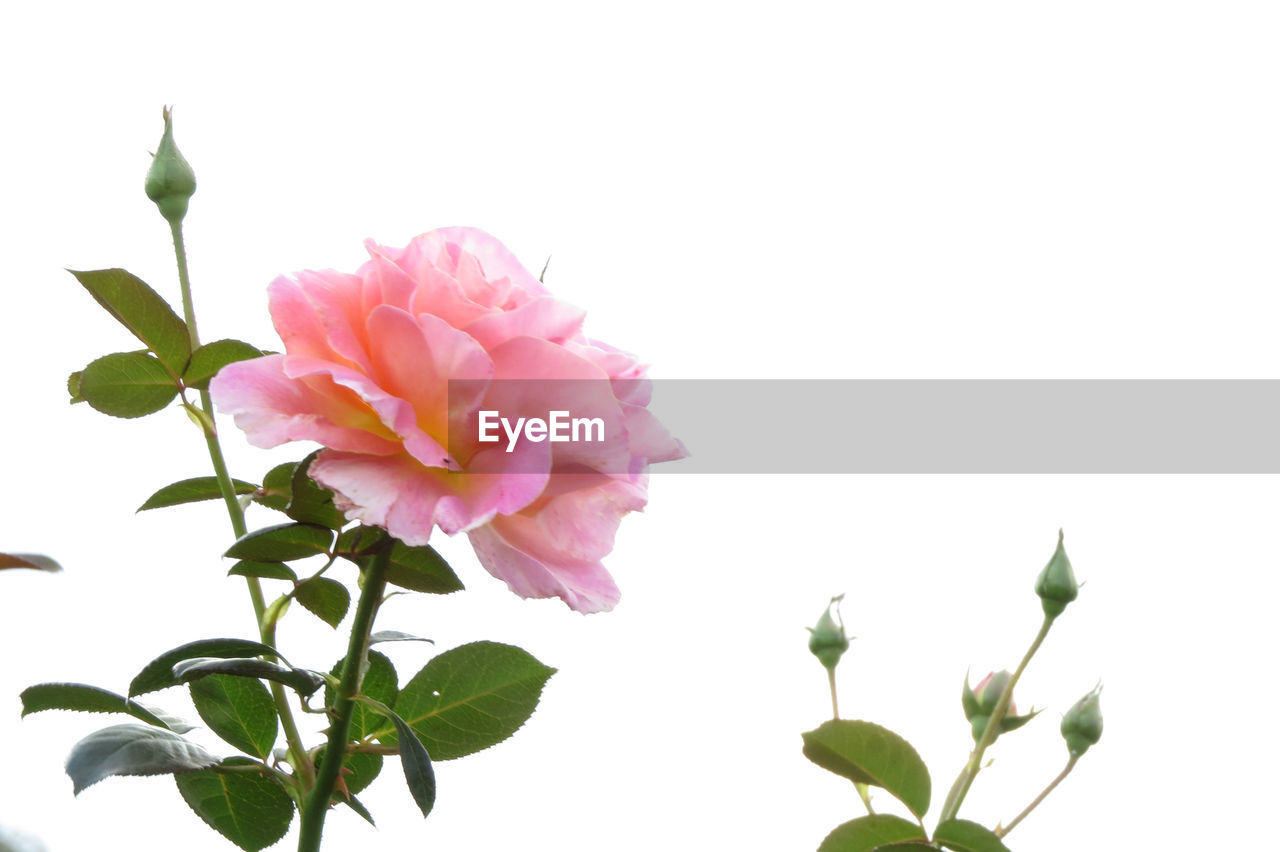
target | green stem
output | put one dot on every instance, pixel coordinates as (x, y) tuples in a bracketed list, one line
[(1071, 764), (864, 792), (297, 754), (961, 788), (184, 282), (317, 805)]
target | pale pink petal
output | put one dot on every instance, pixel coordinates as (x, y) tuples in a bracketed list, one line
[(628, 374), (555, 549), (585, 587), (273, 408), (415, 360), (407, 498), (648, 438), (534, 377), (296, 321), (392, 492), (510, 480), (494, 258), (434, 292), (544, 318), (395, 415), (335, 298), (581, 525), (385, 282)]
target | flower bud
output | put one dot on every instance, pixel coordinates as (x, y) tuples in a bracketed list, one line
[(827, 641), (980, 702), (1082, 724), (170, 180), (1057, 584)]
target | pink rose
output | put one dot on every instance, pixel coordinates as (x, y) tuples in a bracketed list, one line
[(366, 372)]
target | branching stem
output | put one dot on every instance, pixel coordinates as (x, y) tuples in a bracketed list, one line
[(961, 788), (1071, 764)]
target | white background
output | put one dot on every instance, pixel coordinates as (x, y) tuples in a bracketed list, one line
[(893, 190)]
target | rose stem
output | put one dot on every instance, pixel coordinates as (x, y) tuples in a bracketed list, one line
[(864, 792), (297, 754), (317, 804), (1071, 764), (961, 788)]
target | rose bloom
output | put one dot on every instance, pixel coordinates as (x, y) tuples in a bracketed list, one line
[(368, 362)]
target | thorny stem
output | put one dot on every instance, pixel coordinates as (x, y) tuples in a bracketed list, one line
[(353, 666), (1071, 764), (297, 755)]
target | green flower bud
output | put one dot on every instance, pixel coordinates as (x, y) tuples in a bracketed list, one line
[(1057, 584), (1082, 724), (170, 180), (827, 641), (980, 702)]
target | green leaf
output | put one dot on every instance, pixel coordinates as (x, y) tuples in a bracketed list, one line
[(80, 697), (282, 543), (418, 773), (310, 502), (34, 561), (132, 750), (356, 805), (193, 491), (358, 542), (395, 636), (252, 811), (73, 387), (866, 833), (907, 846), (471, 698), (158, 673), (867, 753), (300, 680), (327, 599), (380, 683), (141, 310), (127, 384), (277, 487), (965, 836), (212, 357), (419, 569), (266, 570), (239, 710)]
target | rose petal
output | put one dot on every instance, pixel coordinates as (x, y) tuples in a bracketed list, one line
[(556, 549), (273, 408), (584, 587)]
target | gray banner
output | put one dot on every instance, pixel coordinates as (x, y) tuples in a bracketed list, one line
[(977, 426)]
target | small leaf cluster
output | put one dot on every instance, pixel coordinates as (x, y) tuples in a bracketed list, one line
[(316, 528), (141, 382), (866, 753), (462, 701)]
